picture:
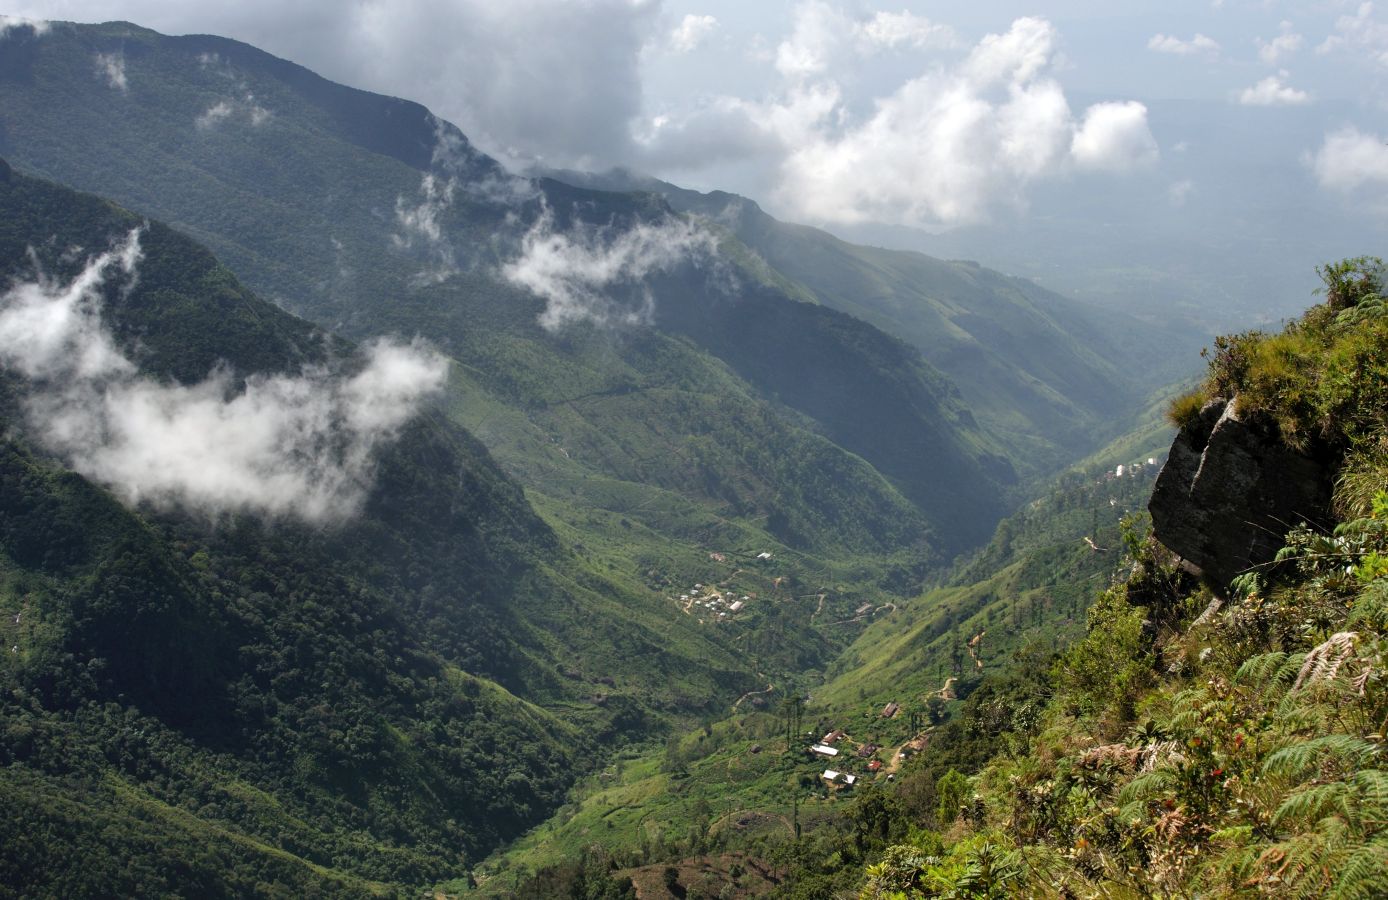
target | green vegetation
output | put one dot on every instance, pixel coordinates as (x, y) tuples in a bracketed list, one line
[(1184, 744), (738, 786), (1049, 378)]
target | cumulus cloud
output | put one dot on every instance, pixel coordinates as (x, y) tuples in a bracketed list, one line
[(946, 147), (822, 30), (691, 32), (818, 30), (111, 67), (593, 274), (1114, 137), (284, 446), (1273, 91), (1350, 159), (1361, 32), (1169, 43), (1279, 48)]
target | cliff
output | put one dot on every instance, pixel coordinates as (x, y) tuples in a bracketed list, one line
[(1232, 488)]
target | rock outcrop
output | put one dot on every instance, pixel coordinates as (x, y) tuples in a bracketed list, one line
[(1230, 491)]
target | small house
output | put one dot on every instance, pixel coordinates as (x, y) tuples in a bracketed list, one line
[(890, 710), (824, 750)]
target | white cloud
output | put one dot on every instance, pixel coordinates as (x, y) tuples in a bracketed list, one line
[(38, 27), (591, 274), (1273, 91), (1167, 43), (1359, 32), (285, 446), (889, 29), (1279, 48), (1350, 159), (244, 107), (818, 30), (111, 67), (691, 32), (947, 147), (422, 219), (1114, 137), (420, 222), (213, 115), (1179, 192)]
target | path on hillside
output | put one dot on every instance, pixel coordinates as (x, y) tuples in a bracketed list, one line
[(769, 689)]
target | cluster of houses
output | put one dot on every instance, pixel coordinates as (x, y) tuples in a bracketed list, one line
[(1131, 470), (836, 745), (709, 603)]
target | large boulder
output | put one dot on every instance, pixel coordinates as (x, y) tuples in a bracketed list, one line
[(1230, 491)]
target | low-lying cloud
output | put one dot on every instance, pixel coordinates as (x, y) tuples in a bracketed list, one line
[(111, 68), (589, 274), (38, 27), (301, 446)]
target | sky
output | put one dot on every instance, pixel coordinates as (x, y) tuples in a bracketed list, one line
[(856, 114), (917, 114)]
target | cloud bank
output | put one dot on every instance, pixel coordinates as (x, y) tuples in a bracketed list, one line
[(283, 446), (582, 274)]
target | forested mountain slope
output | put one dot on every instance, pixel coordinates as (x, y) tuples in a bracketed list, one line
[(1047, 375), (368, 215), (197, 690)]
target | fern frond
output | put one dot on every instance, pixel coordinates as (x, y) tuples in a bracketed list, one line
[(1314, 803), (1258, 671), (1323, 663), (1148, 784), (1364, 874), (1296, 758)]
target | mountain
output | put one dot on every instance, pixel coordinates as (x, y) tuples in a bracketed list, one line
[(322, 704), (368, 215), (1050, 377)]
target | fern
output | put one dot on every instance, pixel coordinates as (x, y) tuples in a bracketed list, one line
[(1364, 874), (1266, 669), (1295, 759), (1324, 662)]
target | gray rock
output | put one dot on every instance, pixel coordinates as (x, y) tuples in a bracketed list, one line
[(1231, 490)]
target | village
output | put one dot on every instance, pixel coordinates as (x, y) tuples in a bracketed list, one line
[(842, 754), (712, 602)]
